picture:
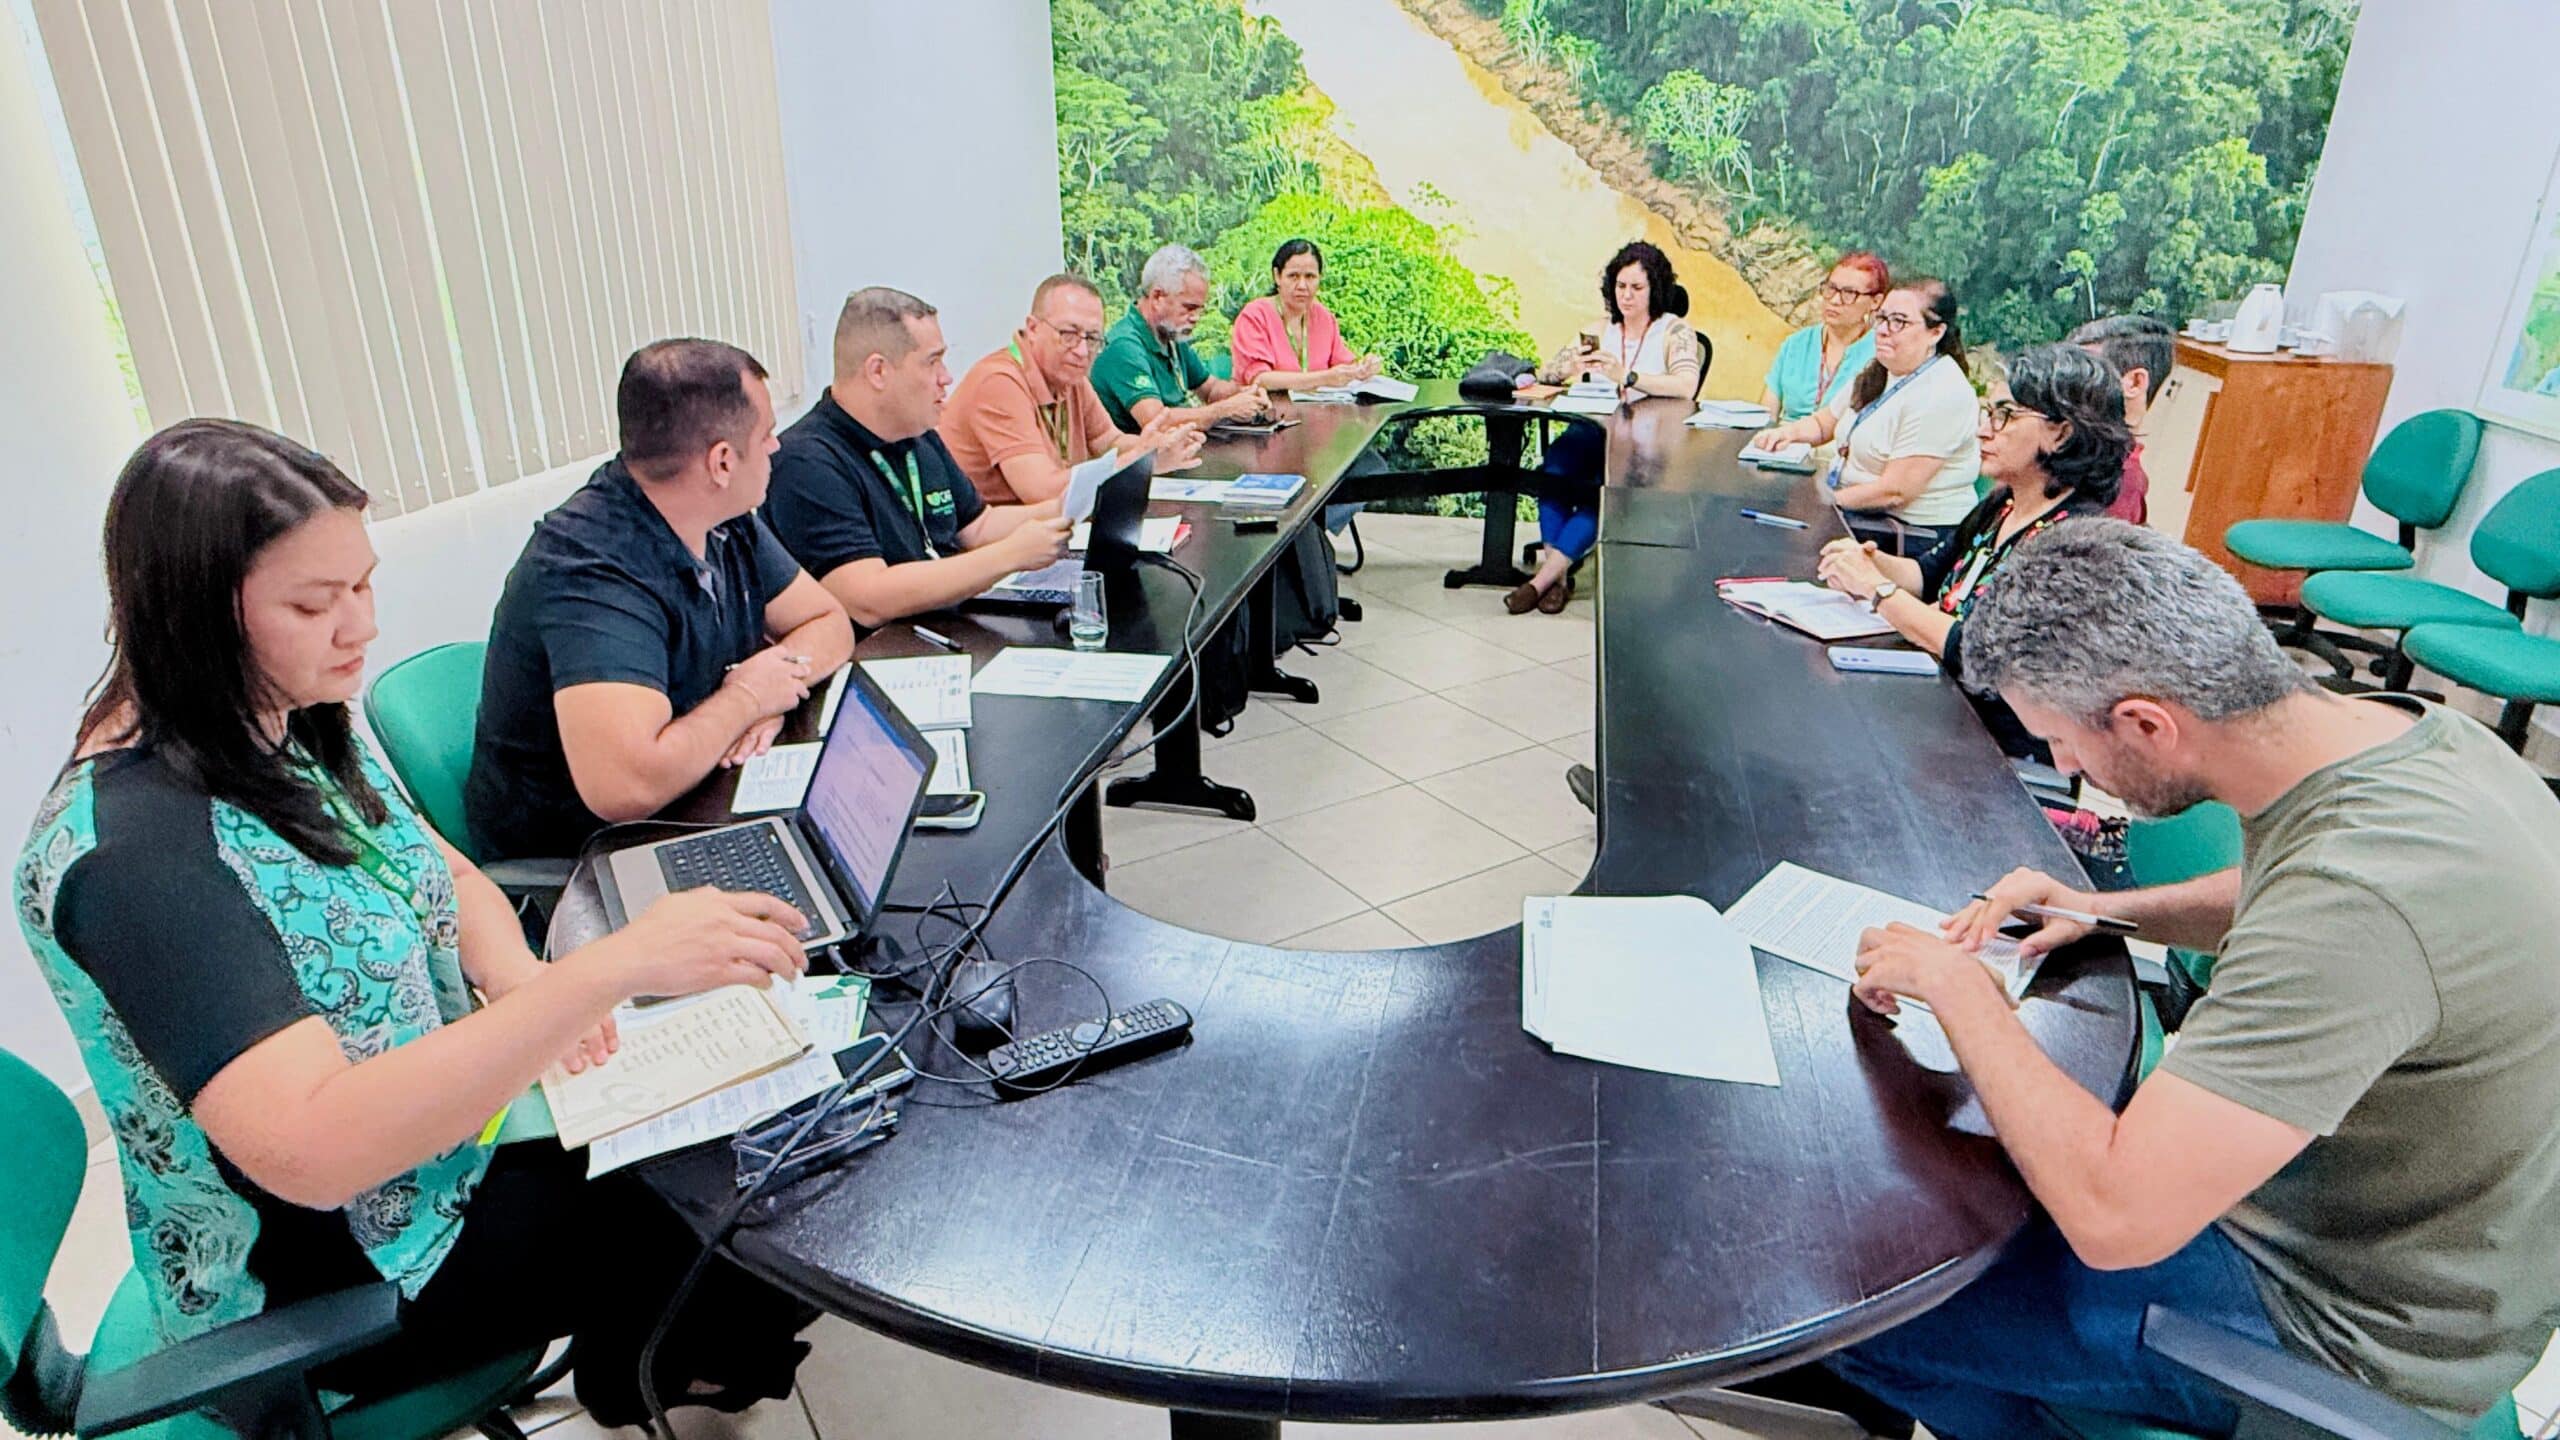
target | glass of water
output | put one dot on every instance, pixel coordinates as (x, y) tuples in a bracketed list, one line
[(1088, 621)]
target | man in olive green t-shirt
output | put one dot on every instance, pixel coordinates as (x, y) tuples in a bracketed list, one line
[(1147, 365), (2353, 1147)]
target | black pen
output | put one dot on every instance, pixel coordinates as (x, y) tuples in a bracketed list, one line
[(931, 638), (1763, 517), (2108, 923)]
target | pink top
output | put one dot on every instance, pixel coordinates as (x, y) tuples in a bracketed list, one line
[(1258, 341)]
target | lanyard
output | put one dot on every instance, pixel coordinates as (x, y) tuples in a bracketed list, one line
[(1626, 357), (915, 495), (371, 857), (1053, 416), (1298, 340), (1840, 462), (1964, 585)]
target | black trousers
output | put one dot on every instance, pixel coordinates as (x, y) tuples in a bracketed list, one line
[(546, 1252)]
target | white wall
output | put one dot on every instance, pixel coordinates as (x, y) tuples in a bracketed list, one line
[(944, 184), (2445, 132)]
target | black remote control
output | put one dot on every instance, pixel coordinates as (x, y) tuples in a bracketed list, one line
[(1039, 1062)]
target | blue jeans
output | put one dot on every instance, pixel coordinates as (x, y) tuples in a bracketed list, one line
[(1571, 529), (2041, 1328)]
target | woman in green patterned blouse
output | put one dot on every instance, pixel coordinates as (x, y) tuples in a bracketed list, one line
[(270, 963)]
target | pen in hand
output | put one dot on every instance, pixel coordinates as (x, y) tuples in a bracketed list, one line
[(2111, 924)]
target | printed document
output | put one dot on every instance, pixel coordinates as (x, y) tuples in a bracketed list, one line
[(1815, 919), (1048, 674), (670, 1056), (1657, 982), (932, 691), (776, 779), (829, 1009)]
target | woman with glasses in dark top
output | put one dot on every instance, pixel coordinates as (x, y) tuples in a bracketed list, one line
[(307, 1016), (1816, 365), (2053, 440)]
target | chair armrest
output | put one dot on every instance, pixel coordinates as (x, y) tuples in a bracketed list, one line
[(529, 877), (244, 1371), (2313, 1398)]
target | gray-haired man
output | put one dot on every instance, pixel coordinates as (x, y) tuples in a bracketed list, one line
[(1147, 366), (2352, 1148)]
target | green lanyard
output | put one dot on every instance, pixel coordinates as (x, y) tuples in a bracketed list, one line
[(372, 858), (1298, 340), (915, 495)]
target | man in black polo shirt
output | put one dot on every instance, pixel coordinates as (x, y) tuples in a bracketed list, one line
[(866, 496), (652, 630)]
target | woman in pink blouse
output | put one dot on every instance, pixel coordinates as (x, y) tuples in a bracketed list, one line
[(1287, 340)]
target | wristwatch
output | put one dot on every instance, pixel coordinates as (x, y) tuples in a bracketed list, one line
[(1885, 590)]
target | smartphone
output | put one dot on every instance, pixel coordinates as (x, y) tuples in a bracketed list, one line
[(1590, 339), (952, 812), (1255, 524)]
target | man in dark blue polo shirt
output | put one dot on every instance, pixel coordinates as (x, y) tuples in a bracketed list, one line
[(653, 629), (866, 496)]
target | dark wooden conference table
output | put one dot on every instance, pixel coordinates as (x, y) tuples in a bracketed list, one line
[(1361, 1191)]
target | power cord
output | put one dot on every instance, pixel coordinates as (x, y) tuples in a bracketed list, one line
[(935, 1002)]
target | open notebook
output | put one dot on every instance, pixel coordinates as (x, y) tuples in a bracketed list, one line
[(675, 1056)]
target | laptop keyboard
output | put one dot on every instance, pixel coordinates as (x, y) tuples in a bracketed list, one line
[(749, 859)]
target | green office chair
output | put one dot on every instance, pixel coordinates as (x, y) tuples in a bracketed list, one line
[(2173, 848), (2416, 476), (2280, 1393), (247, 1378), (2517, 544), (424, 710)]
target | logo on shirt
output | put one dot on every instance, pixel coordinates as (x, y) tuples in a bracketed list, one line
[(1146, 383), (939, 502)]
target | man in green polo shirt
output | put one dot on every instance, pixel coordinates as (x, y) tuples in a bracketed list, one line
[(1147, 363)]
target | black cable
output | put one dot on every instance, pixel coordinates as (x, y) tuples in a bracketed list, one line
[(947, 959)]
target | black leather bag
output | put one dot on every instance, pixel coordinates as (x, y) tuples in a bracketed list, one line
[(1494, 376)]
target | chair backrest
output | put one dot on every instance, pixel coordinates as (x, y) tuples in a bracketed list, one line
[(2518, 542), (2417, 473), (48, 1158), (2198, 841), (424, 710)]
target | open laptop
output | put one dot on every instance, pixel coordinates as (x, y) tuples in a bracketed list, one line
[(832, 858), (1119, 514)]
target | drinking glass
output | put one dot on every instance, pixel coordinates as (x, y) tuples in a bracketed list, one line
[(1088, 620)]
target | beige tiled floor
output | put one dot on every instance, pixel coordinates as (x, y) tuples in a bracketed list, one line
[(1417, 804)]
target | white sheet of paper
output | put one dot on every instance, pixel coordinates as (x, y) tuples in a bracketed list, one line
[(950, 762), (715, 1116), (932, 691), (1084, 483), (1166, 487), (1730, 415), (671, 1057), (1326, 395), (1798, 454), (1050, 674), (776, 779), (1659, 982), (834, 702), (1572, 404), (1155, 534), (1387, 388), (829, 1009), (1814, 920)]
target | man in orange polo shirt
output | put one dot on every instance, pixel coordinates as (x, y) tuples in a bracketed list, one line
[(1026, 415)]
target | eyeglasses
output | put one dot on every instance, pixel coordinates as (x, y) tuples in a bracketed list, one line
[(1892, 324), (1075, 340), (1998, 413), (1835, 292)]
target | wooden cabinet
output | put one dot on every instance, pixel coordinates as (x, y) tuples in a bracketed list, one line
[(2272, 436)]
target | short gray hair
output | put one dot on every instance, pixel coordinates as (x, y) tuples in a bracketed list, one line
[(874, 322), (1169, 267), (2096, 611)]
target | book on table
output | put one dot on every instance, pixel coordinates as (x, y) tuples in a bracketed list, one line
[(1823, 613), (672, 1056), (1263, 490)]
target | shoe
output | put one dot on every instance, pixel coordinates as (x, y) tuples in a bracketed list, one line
[(1347, 608), (1524, 597), (1584, 785), (1553, 602)]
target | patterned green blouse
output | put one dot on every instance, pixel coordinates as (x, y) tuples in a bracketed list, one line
[(177, 932)]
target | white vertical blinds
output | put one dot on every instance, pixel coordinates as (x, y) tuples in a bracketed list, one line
[(422, 234)]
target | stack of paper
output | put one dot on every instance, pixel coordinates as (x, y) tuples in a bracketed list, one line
[(1731, 415), (828, 1008), (710, 1043), (1656, 982), (1589, 397), (1263, 489), (776, 779), (1170, 488), (1049, 674), (1326, 395), (1815, 919), (1817, 610), (1383, 387), (932, 691), (1798, 456)]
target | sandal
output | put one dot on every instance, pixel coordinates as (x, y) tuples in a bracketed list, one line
[(1558, 594), (1524, 597)]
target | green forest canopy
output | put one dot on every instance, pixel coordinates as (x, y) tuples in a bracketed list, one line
[(2053, 159)]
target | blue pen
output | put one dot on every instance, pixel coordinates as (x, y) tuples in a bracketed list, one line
[(1763, 517)]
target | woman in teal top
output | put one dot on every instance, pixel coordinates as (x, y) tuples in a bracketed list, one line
[(1816, 365), (270, 964)]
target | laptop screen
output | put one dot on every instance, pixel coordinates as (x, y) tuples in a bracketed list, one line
[(864, 792)]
